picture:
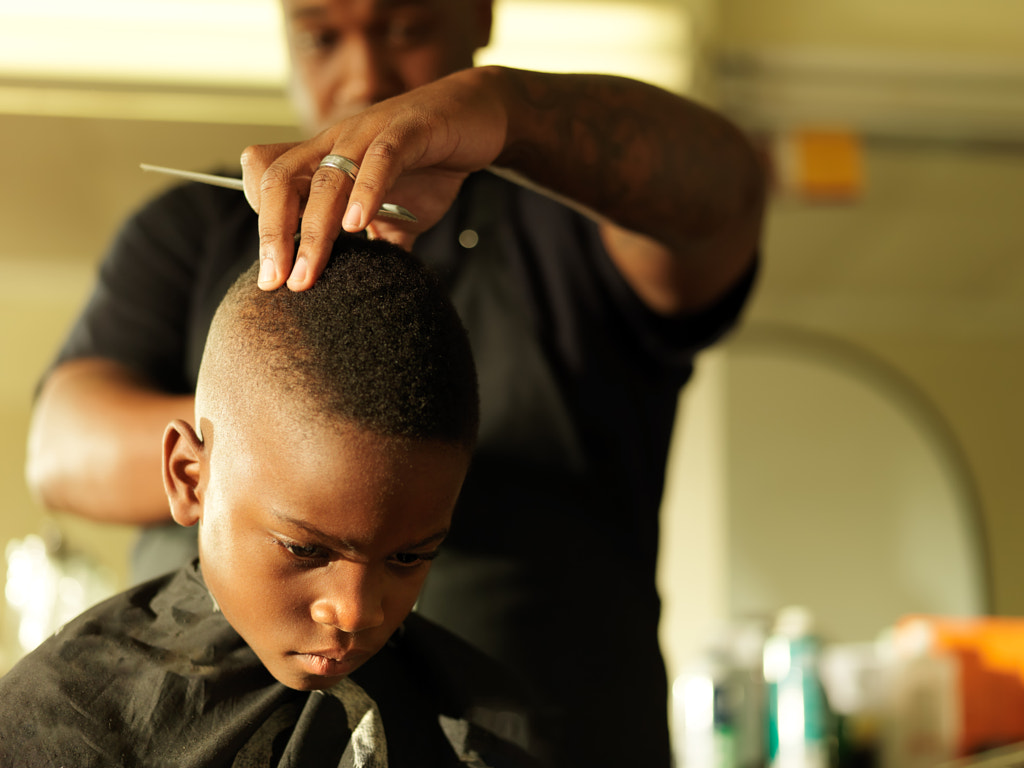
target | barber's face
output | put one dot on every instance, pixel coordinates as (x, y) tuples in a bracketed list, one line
[(348, 54)]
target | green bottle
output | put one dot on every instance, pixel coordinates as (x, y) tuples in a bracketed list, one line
[(799, 733)]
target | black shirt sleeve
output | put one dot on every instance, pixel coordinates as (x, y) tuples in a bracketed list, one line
[(153, 279)]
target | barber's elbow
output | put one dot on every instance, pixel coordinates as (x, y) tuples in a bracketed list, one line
[(44, 474), (58, 462)]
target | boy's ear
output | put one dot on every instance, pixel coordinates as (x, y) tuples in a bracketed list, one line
[(183, 452)]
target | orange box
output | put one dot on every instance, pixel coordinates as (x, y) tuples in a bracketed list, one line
[(825, 165), (990, 660)]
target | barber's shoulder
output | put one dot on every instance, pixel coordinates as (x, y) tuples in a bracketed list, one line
[(192, 199)]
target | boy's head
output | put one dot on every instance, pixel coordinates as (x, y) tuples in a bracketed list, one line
[(334, 429)]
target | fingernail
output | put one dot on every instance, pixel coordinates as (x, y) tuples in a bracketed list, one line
[(298, 271), (268, 272), (353, 218)]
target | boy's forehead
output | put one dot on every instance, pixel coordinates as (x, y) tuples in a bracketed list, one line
[(334, 477)]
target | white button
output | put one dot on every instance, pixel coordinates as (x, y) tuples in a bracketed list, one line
[(468, 238)]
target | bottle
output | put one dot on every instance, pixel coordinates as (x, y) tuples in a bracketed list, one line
[(717, 703), (799, 733), (703, 714)]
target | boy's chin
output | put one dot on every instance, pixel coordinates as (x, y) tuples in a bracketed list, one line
[(311, 683), (300, 682)]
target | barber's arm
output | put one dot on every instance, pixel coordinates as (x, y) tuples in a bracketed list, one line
[(678, 190), (94, 442)]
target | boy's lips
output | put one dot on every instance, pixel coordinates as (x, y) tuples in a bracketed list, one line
[(333, 662)]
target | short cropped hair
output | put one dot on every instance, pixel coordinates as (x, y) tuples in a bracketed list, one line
[(375, 343)]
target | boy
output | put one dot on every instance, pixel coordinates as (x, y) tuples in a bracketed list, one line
[(333, 429)]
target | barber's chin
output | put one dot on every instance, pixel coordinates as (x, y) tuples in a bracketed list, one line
[(314, 120)]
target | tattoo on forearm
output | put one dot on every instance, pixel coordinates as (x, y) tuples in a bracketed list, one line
[(631, 152)]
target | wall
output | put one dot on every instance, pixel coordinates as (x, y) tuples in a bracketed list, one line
[(988, 27)]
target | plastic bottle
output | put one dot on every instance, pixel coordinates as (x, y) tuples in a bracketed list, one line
[(799, 722), (702, 713), (717, 703)]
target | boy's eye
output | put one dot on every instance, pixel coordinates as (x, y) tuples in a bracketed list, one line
[(305, 551), (411, 559)]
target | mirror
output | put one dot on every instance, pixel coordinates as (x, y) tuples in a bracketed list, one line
[(847, 491), (806, 470)]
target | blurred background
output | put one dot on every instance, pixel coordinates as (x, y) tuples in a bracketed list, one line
[(855, 448)]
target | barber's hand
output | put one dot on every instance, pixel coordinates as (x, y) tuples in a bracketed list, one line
[(414, 150)]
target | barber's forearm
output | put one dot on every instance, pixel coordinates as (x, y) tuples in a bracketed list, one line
[(94, 445), (641, 157)]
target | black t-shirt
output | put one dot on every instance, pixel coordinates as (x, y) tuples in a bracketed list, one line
[(157, 677), (550, 563)]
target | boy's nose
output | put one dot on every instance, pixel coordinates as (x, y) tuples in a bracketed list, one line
[(354, 602)]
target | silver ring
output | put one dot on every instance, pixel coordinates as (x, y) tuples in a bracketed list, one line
[(342, 163)]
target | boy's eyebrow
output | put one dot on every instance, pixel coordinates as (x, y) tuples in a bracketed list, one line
[(341, 544)]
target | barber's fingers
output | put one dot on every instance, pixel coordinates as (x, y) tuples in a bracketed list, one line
[(386, 147), (321, 224), (276, 179), (336, 203), (284, 182), (255, 161), (383, 161)]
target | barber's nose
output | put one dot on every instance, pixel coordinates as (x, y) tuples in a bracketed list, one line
[(369, 74), (353, 601)]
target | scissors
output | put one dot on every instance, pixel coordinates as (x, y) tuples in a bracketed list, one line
[(386, 211)]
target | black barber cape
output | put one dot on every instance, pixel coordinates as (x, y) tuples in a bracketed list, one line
[(157, 677)]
